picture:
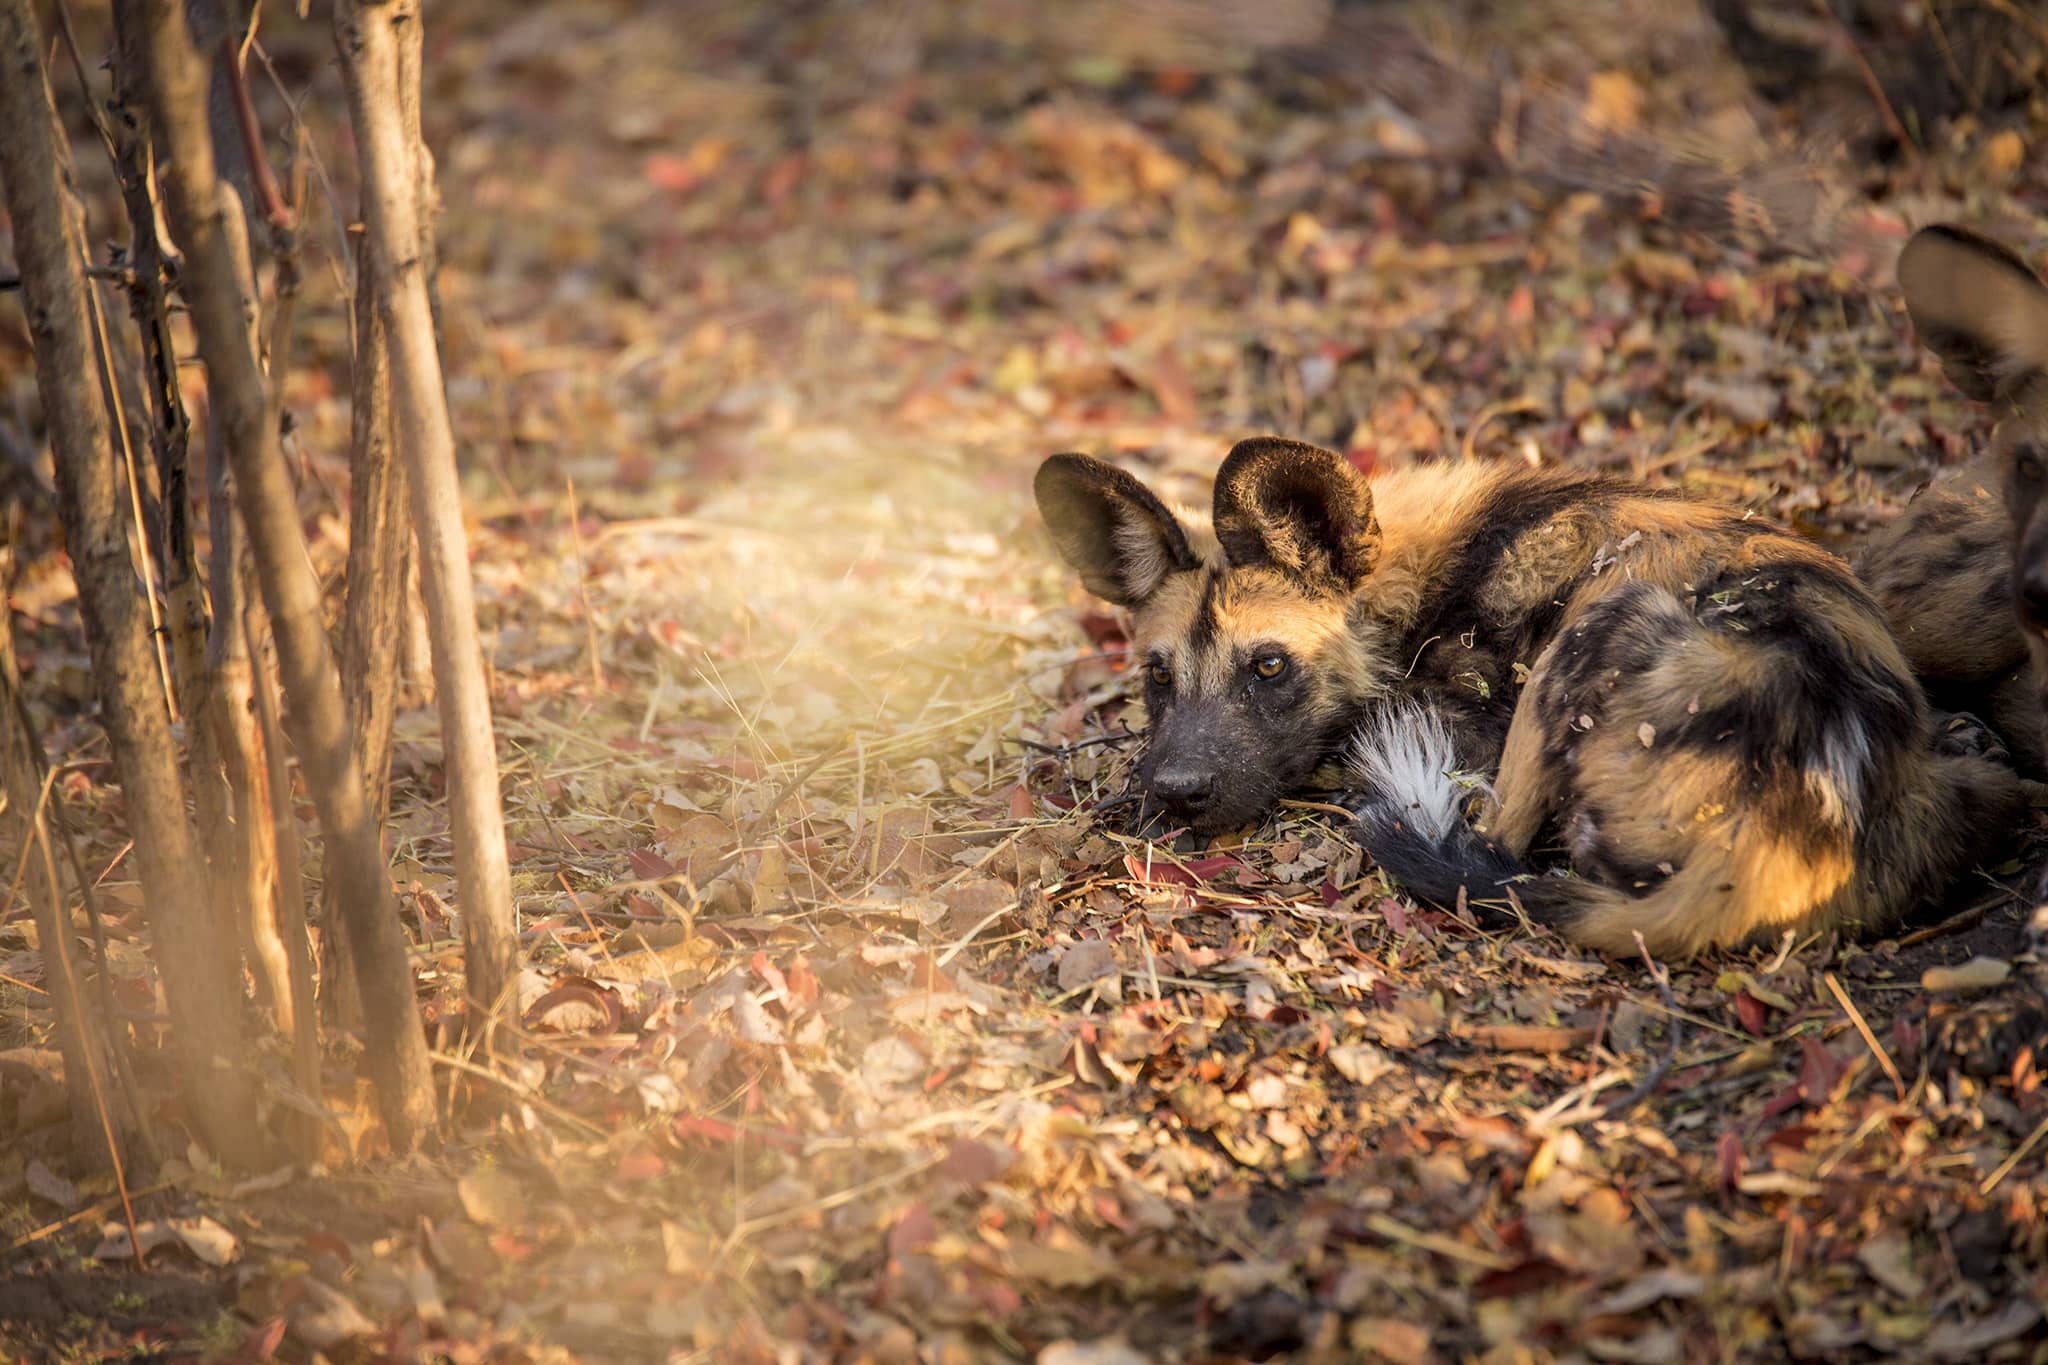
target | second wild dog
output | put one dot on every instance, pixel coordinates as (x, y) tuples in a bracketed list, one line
[(1710, 710), (1963, 572)]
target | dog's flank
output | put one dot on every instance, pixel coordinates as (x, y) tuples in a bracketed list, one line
[(1709, 710)]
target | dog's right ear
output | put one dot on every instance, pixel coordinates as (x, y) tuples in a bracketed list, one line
[(1111, 528), (1977, 306)]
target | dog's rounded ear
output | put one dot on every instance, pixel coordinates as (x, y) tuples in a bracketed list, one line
[(1111, 528), (1978, 306), (1297, 508)]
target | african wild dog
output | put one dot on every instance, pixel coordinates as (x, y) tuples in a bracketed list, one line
[(1944, 570), (1710, 709)]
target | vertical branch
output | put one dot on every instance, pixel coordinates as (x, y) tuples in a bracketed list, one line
[(379, 551), (170, 430), (201, 989), (22, 779), (272, 897), (117, 386), (377, 41), (291, 594)]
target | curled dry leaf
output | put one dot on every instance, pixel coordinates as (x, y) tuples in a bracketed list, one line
[(1978, 974)]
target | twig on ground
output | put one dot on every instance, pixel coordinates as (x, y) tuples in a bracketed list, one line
[(1662, 976), (1863, 1027)]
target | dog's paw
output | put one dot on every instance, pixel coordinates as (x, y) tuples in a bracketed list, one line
[(1962, 735)]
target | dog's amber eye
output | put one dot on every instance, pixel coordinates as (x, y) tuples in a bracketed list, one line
[(2028, 466), (1161, 675), (1270, 666)]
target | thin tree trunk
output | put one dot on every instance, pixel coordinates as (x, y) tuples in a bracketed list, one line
[(291, 594), (379, 551), (200, 986), (21, 777), (373, 39)]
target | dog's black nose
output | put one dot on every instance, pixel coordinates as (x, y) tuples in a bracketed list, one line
[(1187, 789)]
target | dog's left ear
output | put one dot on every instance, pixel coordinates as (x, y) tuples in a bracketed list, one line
[(1300, 509)]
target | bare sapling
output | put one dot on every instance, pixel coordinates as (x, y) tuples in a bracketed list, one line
[(379, 54)]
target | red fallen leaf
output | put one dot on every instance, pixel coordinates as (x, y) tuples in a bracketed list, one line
[(973, 1163), (1818, 1073), (1728, 1160), (1330, 894), (1207, 869), (1196, 873), (642, 1163), (262, 1343), (1793, 1137), (677, 174), (1160, 873), (1396, 915), (519, 853), (1906, 1039), (803, 982), (1525, 1278), (1022, 807), (771, 974), (1778, 1104), (1752, 1012), (649, 866), (913, 1230)]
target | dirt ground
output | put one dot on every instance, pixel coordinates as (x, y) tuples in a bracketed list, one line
[(862, 1029)]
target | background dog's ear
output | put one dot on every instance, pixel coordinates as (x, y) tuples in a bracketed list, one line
[(1111, 528), (1300, 509), (1977, 306)]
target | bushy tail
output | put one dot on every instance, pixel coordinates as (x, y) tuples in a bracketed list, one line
[(1404, 761)]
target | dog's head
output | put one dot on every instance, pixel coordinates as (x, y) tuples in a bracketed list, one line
[(1240, 621)]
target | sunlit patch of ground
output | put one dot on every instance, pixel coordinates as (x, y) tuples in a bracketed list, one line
[(856, 1032)]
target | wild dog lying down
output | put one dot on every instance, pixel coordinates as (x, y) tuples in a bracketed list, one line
[(1944, 572), (1711, 710)]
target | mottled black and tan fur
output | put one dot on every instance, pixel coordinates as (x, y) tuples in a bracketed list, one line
[(1963, 573), (1710, 710)]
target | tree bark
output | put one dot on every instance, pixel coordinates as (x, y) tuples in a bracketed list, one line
[(200, 985), (291, 594), (21, 777), (378, 41), (379, 553)]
